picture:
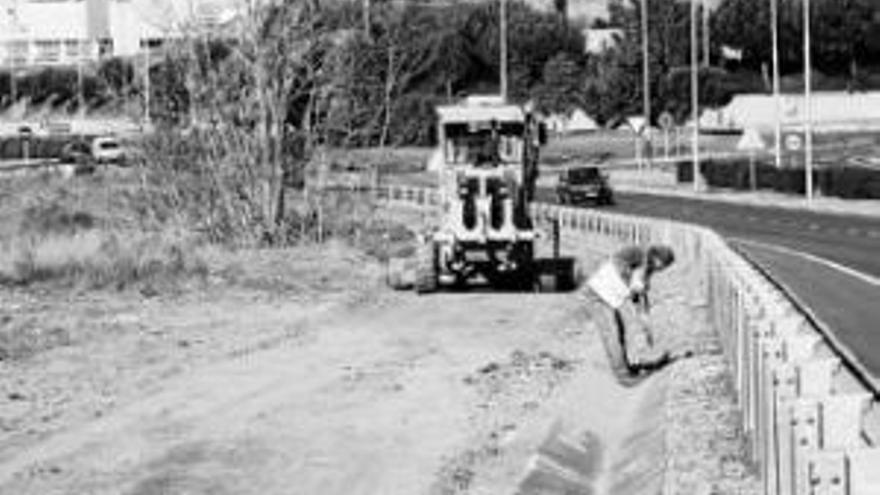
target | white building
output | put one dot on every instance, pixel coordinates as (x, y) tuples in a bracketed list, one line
[(831, 110), (599, 40), (35, 33)]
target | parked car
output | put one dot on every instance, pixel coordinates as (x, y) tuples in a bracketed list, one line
[(88, 153), (583, 184), (79, 153), (108, 149)]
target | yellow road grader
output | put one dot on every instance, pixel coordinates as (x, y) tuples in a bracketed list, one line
[(487, 179)]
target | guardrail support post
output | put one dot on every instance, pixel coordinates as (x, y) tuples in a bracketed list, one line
[(806, 419), (826, 472)]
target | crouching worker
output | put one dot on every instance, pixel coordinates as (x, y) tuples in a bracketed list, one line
[(622, 284)]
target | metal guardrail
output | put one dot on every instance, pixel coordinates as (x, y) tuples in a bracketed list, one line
[(807, 418)]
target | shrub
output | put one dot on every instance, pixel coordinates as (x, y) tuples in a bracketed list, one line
[(844, 182), (12, 148)]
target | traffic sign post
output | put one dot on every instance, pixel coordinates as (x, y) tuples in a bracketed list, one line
[(752, 142), (637, 124), (666, 122), (25, 134), (794, 143)]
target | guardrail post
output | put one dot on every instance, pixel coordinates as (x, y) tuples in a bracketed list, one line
[(826, 472), (771, 356), (785, 393), (806, 422), (748, 353)]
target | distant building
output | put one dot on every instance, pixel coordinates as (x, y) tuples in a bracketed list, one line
[(600, 40), (575, 122), (831, 110), (39, 33)]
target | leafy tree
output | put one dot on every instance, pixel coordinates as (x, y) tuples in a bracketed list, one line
[(845, 34), (117, 74), (562, 87)]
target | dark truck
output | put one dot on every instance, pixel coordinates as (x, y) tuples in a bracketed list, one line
[(584, 184)]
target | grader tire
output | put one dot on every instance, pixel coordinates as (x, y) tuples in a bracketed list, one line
[(396, 275), (426, 269)]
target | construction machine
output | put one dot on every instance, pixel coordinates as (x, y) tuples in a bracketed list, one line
[(487, 180)]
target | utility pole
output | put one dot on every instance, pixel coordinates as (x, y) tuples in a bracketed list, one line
[(695, 95), (808, 105), (646, 80), (12, 51), (706, 60), (777, 99), (147, 83), (503, 48), (366, 15), (79, 75)]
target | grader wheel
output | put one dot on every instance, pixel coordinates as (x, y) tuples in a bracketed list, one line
[(426, 268), (396, 275)]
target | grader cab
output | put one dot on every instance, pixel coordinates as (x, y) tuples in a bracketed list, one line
[(487, 181)]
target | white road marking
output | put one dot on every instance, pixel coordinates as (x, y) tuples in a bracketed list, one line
[(852, 272)]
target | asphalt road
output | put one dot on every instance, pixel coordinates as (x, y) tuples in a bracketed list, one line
[(786, 243)]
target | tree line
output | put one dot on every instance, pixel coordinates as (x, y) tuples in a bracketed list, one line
[(378, 75)]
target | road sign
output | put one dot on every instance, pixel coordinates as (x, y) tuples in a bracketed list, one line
[(751, 141), (637, 124), (666, 121), (793, 142)]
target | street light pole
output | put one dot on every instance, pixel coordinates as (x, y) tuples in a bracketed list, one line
[(777, 99), (695, 95), (808, 105), (503, 48)]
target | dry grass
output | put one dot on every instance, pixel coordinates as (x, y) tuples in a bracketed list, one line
[(85, 233), (98, 259)]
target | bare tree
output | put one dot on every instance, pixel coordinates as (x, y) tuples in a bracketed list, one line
[(249, 97)]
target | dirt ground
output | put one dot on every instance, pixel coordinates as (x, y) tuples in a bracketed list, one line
[(261, 389)]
